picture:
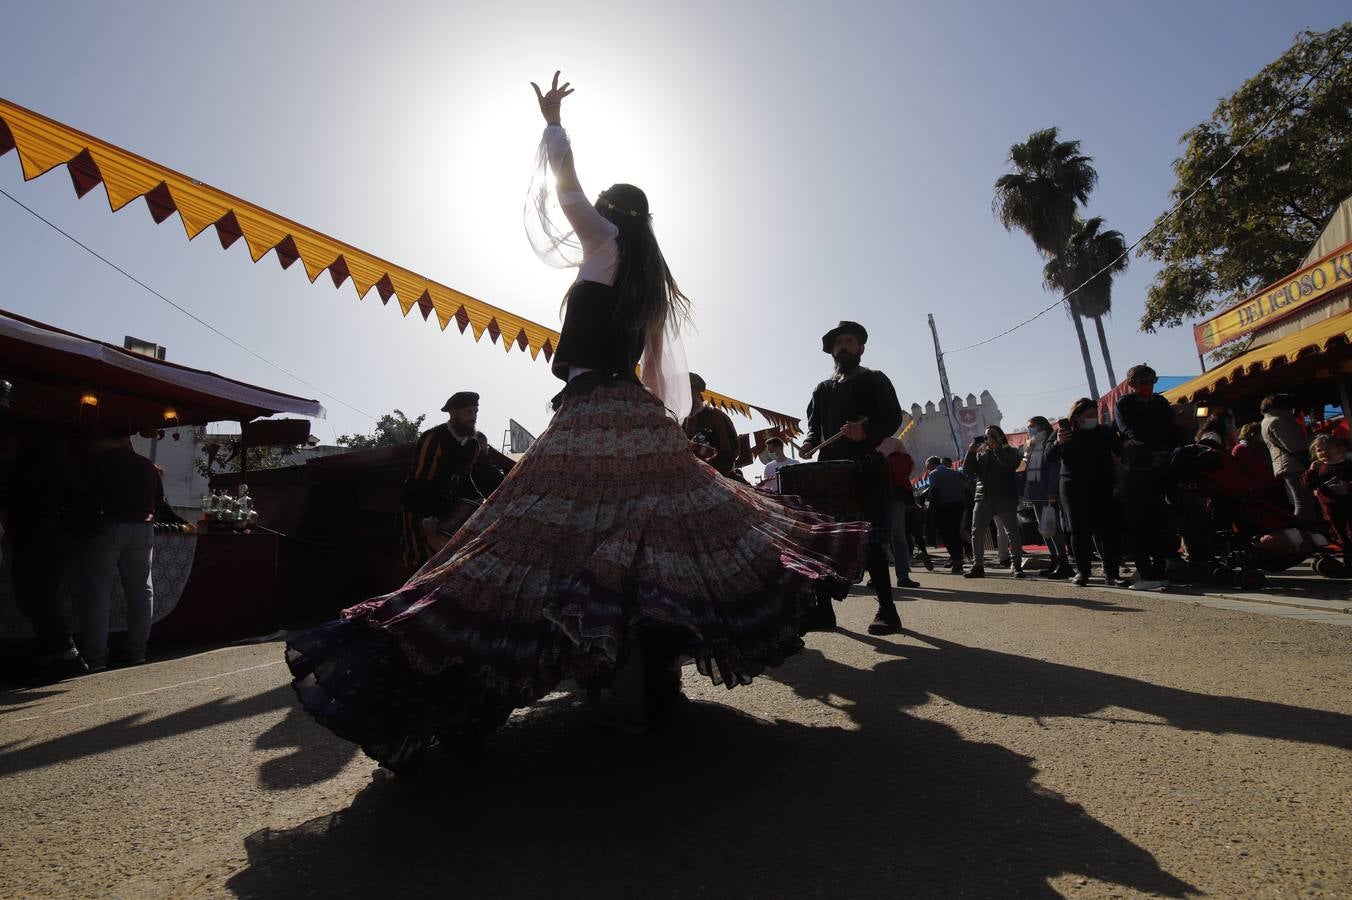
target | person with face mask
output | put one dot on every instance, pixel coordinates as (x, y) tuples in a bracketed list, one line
[(1041, 489), (993, 465), (1086, 452), (1150, 434)]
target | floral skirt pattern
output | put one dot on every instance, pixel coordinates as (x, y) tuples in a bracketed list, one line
[(607, 530)]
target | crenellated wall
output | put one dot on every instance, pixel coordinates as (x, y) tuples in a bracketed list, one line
[(927, 431)]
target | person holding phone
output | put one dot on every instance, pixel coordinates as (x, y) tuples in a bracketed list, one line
[(994, 466), (1087, 452)]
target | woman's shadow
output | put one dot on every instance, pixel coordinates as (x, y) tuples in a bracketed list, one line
[(721, 804)]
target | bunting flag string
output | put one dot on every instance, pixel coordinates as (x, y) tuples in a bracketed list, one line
[(44, 144)]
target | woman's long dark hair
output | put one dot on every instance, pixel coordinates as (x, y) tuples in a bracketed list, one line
[(647, 292)]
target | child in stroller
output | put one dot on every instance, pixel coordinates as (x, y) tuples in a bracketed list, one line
[(1238, 531), (1330, 477)]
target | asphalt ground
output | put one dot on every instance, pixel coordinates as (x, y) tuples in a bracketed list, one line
[(1020, 739)]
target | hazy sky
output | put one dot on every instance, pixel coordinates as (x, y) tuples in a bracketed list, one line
[(805, 163)]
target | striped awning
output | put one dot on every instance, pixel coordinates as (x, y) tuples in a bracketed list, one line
[(1324, 337), (44, 144)]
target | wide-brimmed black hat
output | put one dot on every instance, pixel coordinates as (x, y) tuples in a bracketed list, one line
[(853, 328), (461, 400)]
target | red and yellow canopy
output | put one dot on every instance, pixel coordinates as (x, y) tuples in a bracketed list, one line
[(43, 144)]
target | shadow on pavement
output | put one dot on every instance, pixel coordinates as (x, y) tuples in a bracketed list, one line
[(1021, 686), (964, 593), (317, 756), (722, 805)]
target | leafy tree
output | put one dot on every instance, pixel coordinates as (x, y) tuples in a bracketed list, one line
[(1255, 222), (1051, 178), (393, 428), (220, 453), (1090, 252)]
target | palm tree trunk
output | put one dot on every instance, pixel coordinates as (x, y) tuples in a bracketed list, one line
[(1107, 357), (1084, 351)]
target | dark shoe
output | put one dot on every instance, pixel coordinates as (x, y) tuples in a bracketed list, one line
[(975, 572), (929, 564), (125, 662), (1018, 573), (59, 670), (906, 582), (1058, 571), (1003, 564), (886, 621), (955, 570), (1081, 580)]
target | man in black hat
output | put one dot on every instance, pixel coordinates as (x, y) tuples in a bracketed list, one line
[(860, 405), (709, 425), (448, 466)]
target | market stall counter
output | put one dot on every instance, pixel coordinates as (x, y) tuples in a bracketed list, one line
[(208, 588)]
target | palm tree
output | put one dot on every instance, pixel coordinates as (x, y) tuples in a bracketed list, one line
[(1051, 178), (1089, 254)]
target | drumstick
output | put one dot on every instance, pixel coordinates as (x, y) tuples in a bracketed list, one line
[(835, 437)]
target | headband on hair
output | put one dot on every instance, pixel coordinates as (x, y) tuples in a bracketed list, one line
[(612, 206)]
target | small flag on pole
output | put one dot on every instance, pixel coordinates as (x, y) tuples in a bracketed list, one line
[(521, 439)]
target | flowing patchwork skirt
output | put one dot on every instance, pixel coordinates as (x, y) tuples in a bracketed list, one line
[(607, 530)]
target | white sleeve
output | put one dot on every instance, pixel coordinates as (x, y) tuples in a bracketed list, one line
[(592, 229)]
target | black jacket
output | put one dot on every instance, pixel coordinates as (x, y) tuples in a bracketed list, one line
[(994, 473), (835, 401), (1087, 458)]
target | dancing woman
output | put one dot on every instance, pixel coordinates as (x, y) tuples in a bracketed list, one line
[(607, 553)]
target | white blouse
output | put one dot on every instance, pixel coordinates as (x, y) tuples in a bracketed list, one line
[(596, 233)]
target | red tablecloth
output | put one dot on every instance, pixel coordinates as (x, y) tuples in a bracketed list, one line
[(231, 592)]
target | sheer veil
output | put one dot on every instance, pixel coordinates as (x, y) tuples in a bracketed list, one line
[(663, 368)]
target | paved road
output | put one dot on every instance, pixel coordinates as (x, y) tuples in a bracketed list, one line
[(1021, 739)]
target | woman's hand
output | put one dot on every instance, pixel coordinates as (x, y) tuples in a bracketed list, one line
[(551, 101)]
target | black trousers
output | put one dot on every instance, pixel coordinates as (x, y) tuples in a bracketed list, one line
[(915, 528), (948, 523), (875, 496), (1148, 529), (1094, 516)]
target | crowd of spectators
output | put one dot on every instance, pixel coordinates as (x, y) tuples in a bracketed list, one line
[(1139, 489)]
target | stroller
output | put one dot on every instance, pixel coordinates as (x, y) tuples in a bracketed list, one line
[(1239, 533)]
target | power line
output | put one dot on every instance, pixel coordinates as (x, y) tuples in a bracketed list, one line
[(1069, 387), (189, 314), (1291, 98)]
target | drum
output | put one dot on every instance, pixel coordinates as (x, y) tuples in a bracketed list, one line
[(438, 532), (831, 487)]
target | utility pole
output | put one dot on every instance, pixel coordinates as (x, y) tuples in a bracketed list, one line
[(948, 394)]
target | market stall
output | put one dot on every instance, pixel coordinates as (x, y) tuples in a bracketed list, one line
[(208, 585)]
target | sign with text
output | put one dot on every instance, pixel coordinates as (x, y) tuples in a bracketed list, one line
[(1277, 301)]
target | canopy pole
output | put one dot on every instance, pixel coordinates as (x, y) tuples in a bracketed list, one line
[(243, 453)]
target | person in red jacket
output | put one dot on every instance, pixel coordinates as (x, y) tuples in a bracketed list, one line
[(1254, 457), (900, 465)]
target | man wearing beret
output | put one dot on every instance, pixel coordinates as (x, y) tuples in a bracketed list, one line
[(448, 465), (861, 406), (709, 425)]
